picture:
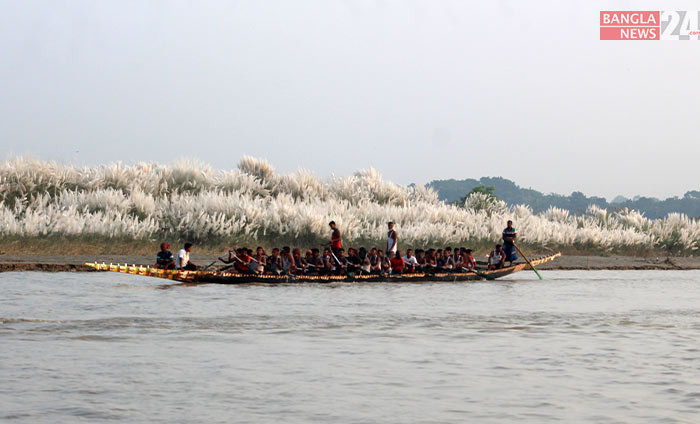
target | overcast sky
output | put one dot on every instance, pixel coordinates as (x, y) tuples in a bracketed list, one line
[(419, 90)]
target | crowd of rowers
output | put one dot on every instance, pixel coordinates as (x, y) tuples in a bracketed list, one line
[(332, 259)]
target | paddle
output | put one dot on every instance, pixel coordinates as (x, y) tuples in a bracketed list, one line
[(227, 267), (243, 262), (336, 259), (234, 256), (480, 274), (333, 254), (210, 265), (527, 260)]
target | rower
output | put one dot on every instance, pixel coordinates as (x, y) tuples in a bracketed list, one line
[(386, 265), (317, 261), (289, 266), (341, 261), (509, 235), (410, 262), (497, 257), (183, 259), (253, 265), (448, 261), (274, 263), (260, 257), (397, 263), (365, 263), (366, 266), (300, 262), (309, 261), (328, 261), (164, 259), (457, 257), (375, 261), (353, 257), (421, 261), (469, 261), (242, 260), (430, 260)]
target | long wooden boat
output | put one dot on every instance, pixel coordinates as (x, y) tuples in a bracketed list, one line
[(235, 278)]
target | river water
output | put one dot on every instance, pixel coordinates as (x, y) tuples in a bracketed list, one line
[(580, 346)]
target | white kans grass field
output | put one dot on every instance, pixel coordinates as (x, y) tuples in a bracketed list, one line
[(189, 200)]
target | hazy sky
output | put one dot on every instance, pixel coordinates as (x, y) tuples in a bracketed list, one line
[(420, 90)]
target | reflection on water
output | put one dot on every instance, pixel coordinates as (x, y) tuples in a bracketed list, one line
[(587, 346)]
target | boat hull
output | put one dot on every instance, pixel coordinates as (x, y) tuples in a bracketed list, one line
[(214, 277)]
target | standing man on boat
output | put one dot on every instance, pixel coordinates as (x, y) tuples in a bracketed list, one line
[(183, 259), (509, 236), (392, 241), (335, 243)]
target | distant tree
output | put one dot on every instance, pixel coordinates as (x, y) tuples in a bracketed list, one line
[(693, 195), (488, 191)]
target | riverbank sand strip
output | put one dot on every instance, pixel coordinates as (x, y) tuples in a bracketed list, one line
[(60, 263)]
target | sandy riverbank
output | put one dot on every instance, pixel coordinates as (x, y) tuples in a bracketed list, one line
[(60, 263)]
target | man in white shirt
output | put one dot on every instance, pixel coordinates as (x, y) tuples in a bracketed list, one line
[(182, 262), (410, 261), (392, 240)]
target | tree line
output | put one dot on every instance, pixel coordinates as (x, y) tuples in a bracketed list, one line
[(452, 191)]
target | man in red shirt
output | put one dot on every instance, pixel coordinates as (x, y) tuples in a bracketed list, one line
[(397, 263), (335, 243), (243, 261)]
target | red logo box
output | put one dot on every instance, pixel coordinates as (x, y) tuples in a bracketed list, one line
[(630, 25)]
